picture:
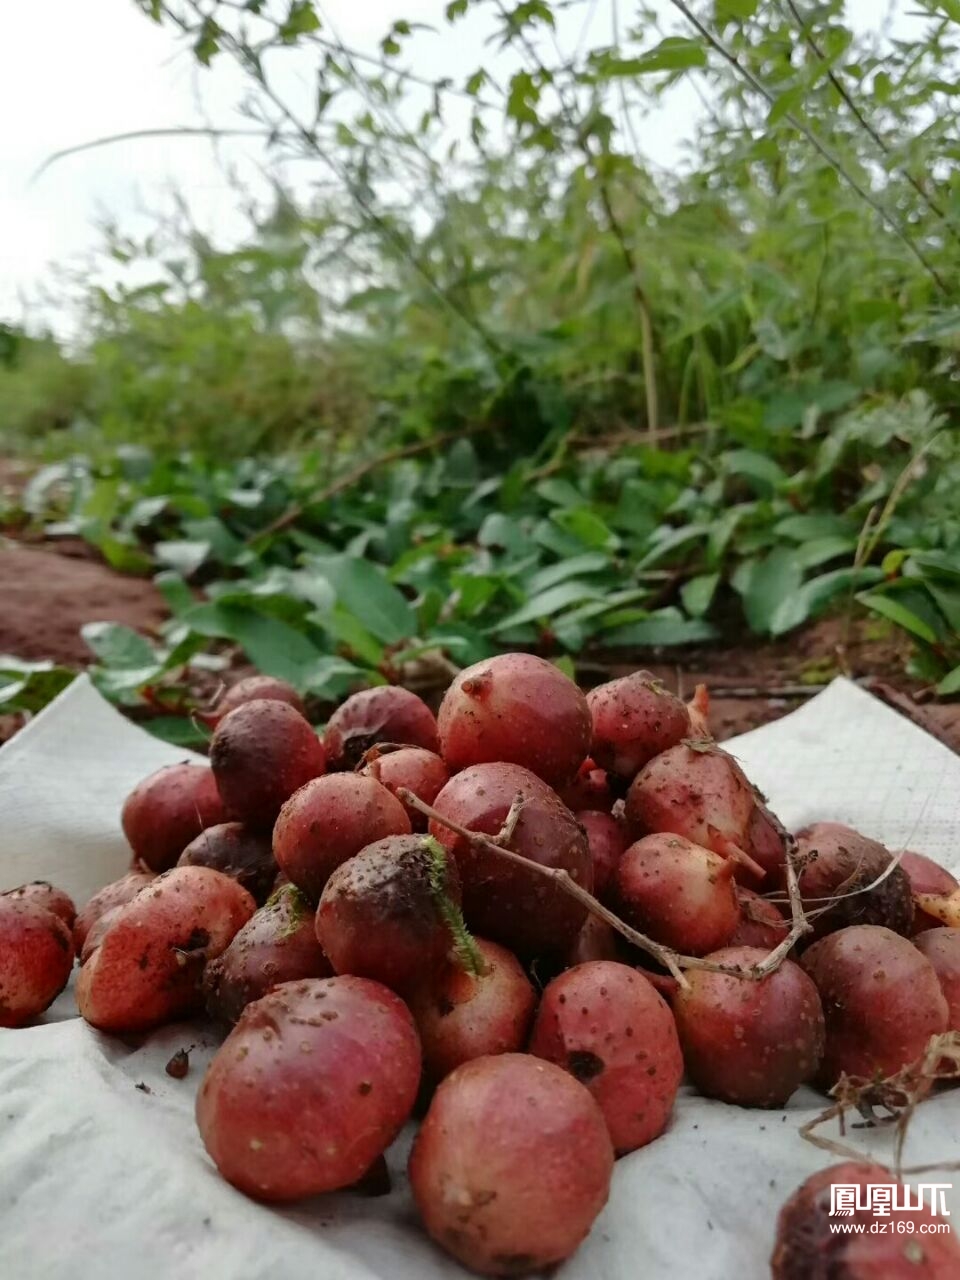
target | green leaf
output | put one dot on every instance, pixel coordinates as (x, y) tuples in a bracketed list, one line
[(175, 591), (364, 591), (773, 581), (118, 646), (750, 464), (549, 602), (29, 686), (301, 20), (725, 10), (273, 646), (675, 53), (185, 557), (586, 525), (589, 562), (667, 629), (697, 594), (950, 683), (456, 9), (181, 731), (900, 614), (820, 550)]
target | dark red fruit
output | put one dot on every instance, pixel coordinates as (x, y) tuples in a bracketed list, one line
[(413, 769), (239, 852), (256, 689), (261, 753), (608, 840), (520, 909), (386, 714), (634, 719)]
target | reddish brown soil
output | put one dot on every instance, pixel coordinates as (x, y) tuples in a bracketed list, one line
[(46, 596)]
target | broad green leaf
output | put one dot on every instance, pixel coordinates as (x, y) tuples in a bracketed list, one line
[(821, 550), (675, 53), (804, 528), (589, 562), (950, 684), (661, 630), (724, 10), (182, 731), (697, 594), (766, 473), (889, 607), (549, 602), (118, 646), (584, 523), (185, 557), (774, 580), (363, 590), (274, 647), (175, 591), (29, 686)]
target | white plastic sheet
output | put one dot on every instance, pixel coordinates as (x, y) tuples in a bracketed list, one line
[(102, 1173)]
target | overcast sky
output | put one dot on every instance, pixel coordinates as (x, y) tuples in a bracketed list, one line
[(74, 70)]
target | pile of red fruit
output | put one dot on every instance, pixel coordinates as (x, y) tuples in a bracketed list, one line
[(525, 920)]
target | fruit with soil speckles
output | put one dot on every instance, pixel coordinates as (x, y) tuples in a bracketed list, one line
[(750, 1042), (701, 793), (634, 719), (256, 689), (104, 900), (415, 769), (260, 754), (520, 909), (809, 1246), (881, 1000), (678, 893), (43, 894), (590, 790), (926, 877), (167, 810), (328, 821), (607, 1026), (607, 839), (761, 922), (36, 957), (386, 714), (147, 966), (517, 709), (277, 944), (512, 1165), (238, 851), (596, 941), (461, 1016), (380, 914), (310, 1087), (838, 867), (942, 948)]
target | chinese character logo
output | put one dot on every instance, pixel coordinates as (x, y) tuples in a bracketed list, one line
[(885, 1198)]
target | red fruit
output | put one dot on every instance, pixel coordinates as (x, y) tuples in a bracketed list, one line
[(761, 923), (518, 908), (703, 794), (310, 1087), (44, 894), (810, 1247), (942, 949), (329, 820), (748, 1042), (881, 1000), (385, 714), (36, 957), (678, 894), (589, 791), (165, 811), (926, 877), (104, 900), (146, 966), (607, 1026), (839, 868), (607, 840), (595, 941), (511, 1165), (380, 916), (461, 1016), (239, 852), (634, 719), (412, 768), (260, 754), (256, 689), (519, 709), (277, 944)]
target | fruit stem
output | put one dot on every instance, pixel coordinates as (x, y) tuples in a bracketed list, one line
[(671, 960)]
